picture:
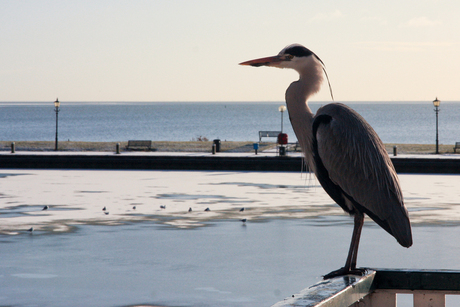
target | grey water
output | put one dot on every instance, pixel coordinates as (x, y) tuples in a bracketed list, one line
[(403, 122), (224, 263)]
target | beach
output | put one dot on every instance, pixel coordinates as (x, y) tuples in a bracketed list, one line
[(193, 146)]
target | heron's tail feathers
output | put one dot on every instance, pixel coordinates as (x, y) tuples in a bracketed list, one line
[(401, 228), (397, 224)]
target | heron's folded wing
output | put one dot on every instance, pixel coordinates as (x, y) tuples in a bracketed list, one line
[(357, 162)]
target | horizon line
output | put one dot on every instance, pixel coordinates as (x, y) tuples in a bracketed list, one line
[(218, 101)]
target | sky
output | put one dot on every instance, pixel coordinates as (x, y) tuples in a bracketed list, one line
[(98, 50)]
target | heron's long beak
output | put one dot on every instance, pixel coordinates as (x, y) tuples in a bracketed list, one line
[(268, 61)]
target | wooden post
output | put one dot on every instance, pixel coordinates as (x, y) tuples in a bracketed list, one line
[(429, 299), (378, 298)]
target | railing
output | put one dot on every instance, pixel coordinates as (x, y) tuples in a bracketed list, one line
[(378, 288)]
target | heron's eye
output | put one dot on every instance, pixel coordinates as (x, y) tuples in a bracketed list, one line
[(289, 57)]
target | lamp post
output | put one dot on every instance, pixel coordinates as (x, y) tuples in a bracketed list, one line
[(436, 104), (282, 109), (56, 109)]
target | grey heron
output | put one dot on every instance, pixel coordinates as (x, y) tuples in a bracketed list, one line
[(344, 152)]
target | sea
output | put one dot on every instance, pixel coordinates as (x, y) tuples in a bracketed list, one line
[(395, 122)]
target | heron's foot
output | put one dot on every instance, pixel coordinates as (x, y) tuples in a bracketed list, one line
[(346, 271)]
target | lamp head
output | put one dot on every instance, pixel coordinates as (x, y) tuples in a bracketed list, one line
[(436, 102), (57, 103)]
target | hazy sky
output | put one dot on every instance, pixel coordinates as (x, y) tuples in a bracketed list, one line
[(392, 50)]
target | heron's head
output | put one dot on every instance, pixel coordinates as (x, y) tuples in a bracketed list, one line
[(294, 56)]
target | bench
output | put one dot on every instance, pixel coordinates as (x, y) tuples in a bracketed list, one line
[(139, 145), (457, 146), (268, 134)]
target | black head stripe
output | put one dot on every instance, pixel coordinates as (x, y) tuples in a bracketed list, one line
[(298, 51)]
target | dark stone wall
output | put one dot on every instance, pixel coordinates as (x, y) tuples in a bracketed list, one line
[(219, 163)]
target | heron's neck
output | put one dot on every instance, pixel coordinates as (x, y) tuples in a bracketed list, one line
[(300, 114)]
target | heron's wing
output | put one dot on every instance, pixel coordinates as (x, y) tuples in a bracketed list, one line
[(355, 160)]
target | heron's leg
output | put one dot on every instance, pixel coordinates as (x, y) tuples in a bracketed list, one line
[(350, 264), (353, 252)]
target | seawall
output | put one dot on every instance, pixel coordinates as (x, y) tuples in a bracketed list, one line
[(207, 162)]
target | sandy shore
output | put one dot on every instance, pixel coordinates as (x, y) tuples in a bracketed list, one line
[(161, 146), (164, 146)]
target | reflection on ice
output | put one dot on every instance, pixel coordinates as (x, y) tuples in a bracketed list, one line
[(222, 264), (267, 186), (182, 196), (76, 197), (34, 276)]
